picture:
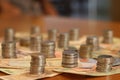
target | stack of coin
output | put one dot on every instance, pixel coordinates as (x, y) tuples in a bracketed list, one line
[(9, 35), (74, 34), (35, 30), (37, 64), (63, 41), (85, 51), (35, 43), (9, 50), (104, 63), (69, 59), (48, 49), (108, 37), (93, 41), (25, 42), (52, 34)]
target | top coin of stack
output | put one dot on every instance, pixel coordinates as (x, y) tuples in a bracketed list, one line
[(52, 34), (104, 63), (63, 41), (37, 64), (93, 41), (48, 49), (74, 34), (108, 36), (9, 35)]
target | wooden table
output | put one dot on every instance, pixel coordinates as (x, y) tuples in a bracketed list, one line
[(23, 23)]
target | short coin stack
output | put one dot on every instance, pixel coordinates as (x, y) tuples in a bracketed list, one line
[(85, 51), (52, 34), (37, 64), (74, 34), (35, 43), (93, 41), (108, 37), (104, 63), (69, 59), (48, 49), (63, 41), (9, 50), (25, 42)]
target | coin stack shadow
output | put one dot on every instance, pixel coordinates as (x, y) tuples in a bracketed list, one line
[(37, 64), (35, 43), (52, 34), (9, 44), (85, 51), (48, 49), (63, 40), (93, 41), (108, 37), (104, 63), (69, 59), (74, 34)]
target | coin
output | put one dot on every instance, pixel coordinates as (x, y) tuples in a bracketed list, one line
[(93, 41), (74, 34), (9, 35), (104, 63), (35, 30), (52, 34), (69, 59), (85, 51), (9, 50), (48, 49), (108, 36), (63, 41), (37, 64), (35, 43)]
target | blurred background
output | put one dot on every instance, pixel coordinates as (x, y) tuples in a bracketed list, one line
[(96, 9), (21, 14)]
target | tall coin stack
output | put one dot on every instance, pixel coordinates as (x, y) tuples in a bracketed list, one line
[(35, 43), (108, 37), (9, 35), (104, 63), (69, 59), (63, 41), (35, 30), (48, 49), (9, 44), (9, 50), (52, 34), (74, 34), (93, 41), (37, 64), (85, 51)]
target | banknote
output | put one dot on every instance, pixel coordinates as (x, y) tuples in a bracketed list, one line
[(89, 72), (27, 76)]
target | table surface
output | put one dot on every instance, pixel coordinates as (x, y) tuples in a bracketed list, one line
[(23, 24)]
